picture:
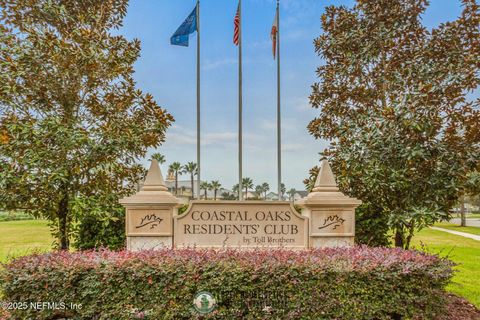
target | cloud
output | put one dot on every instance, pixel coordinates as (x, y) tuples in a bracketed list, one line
[(292, 147), (181, 136), (216, 138), (214, 64)]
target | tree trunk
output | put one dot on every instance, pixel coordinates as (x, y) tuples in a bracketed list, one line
[(399, 238), (176, 183), (205, 194), (191, 180), (62, 223), (215, 194), (463, 220)]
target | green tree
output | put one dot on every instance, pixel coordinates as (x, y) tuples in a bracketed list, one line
[(312, 176), (266, 188), (159, 157), (229, 196), (215, 186), (176, 168), (291, 194), (283, 189), (235, 189), (247, 183), (259, 191), (394, 104), (191, 168), (72, 122), (205, 186)]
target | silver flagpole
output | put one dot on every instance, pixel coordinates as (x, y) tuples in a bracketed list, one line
[(198, 101), (279, 122), (240, 155)]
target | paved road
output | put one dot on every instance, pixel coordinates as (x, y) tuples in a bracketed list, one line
[(458, 233), (470, 222)]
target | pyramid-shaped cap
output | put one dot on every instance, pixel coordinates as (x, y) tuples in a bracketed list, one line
[(326, 179), (153, 192), (154, 180), (325, 193)]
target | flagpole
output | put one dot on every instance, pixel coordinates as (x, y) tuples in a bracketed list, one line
[(198, 101), (240, 149), (279, 122)]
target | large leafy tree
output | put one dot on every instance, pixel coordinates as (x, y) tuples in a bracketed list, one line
[(394, 102), (72, 123)]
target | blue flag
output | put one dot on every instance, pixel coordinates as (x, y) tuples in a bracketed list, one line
[(180, 37)]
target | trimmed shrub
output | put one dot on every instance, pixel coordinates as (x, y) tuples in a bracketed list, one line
[(99, 223), (340, 283), (371, 226), (94, 231), (14, 216)]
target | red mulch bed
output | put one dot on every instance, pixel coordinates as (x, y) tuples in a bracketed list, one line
[(460, 309)]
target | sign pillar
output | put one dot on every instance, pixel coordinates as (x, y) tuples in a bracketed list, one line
[(330, 212), (149, 213)]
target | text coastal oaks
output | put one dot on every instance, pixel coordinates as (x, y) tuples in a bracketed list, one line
[(327, 219), (240, 222)]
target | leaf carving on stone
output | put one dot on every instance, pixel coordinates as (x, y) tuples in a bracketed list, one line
[(333, 220), (150, 219)]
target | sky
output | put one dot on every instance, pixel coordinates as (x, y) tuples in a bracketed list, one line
[(169, 74)]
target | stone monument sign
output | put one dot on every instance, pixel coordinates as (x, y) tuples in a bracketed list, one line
[(241, 224), (327, 219)]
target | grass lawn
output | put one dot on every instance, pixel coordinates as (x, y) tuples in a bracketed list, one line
[(456, 227), (468, 216), (473, 216), (19, 238), (465, 252)]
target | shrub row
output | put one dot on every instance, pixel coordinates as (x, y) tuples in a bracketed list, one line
[(340, 283)]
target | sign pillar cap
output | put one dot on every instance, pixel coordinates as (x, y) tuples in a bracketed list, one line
[(153, 192), (325, 179), (154, 179), (325, 192)]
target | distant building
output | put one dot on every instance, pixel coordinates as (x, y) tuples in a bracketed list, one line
[(272, 196), (185, 189), (299, 195)]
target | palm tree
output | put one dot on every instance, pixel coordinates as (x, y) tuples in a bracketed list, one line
[(215, 186), (228, 196), (265, 187), (205, 186), (291, 194), (259, 190), (159, 157), (176, 168), (247, 183), (283, 189), (235, 189), (191, 168)]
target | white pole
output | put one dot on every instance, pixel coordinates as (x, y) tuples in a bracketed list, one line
[(279, 122), (240, 151), (198, 101)]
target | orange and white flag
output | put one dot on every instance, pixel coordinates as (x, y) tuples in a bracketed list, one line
[(273, 34)]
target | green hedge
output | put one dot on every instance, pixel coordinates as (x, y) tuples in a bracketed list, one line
[(341, 283)]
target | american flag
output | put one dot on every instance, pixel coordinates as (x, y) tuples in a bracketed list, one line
[(236, 23), (273, 34)]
